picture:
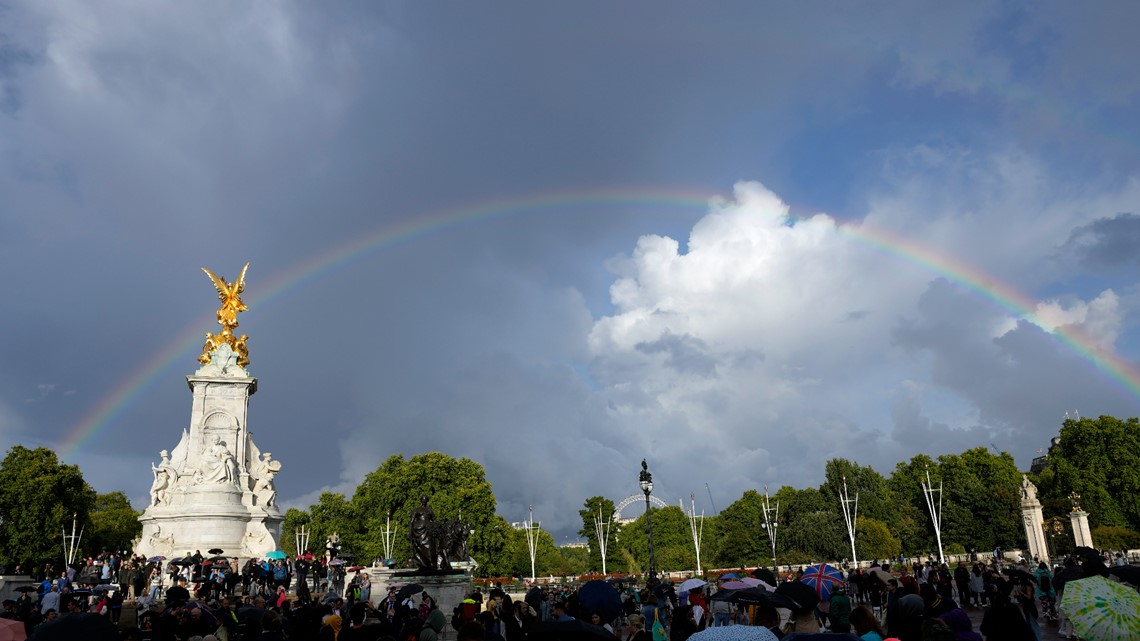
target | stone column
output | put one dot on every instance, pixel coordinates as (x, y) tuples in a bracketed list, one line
[(1081, 533), (1033, 520)]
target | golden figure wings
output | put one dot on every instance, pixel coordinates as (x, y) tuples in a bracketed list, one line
[(230, 295), (232, 305)]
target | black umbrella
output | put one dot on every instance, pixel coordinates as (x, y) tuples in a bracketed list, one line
[(218, 559), (183, 561), (765, 575), (1084, 552), (28, 588), (1018, 574), (1127, 573), (216, 551), (801, 594), (86, 626), (573, 630), (250, 614), (599, 597), (408, 590), (751, 596), (723, 595)]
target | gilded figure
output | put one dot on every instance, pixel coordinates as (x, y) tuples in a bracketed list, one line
[(232, 305)]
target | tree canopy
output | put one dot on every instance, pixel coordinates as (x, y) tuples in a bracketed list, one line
[(39, 496)]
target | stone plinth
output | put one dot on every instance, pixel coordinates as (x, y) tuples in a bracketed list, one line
[(380, 578), (448, 590), (215, 489), (10, 583), (1081, 533), (1033, 520)]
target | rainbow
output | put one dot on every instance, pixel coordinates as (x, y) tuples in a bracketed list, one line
[(188, 341)]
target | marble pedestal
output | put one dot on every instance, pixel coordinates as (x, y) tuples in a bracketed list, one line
[(215, 489), (1081, 533), (448, 590)]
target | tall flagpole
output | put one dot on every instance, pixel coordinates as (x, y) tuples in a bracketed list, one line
[(696, 531), (935, 513), (531, 539), (850, 514), (771, 522), (602, 528)]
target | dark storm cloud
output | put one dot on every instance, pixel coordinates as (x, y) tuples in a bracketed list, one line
[(1021, 381), (140, 142), (1106, 242)]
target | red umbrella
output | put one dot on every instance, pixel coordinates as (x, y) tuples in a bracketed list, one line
[(12, 630)]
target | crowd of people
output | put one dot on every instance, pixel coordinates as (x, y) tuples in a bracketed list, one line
[(196, 598)]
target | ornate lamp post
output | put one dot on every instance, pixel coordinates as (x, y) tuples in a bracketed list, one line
[(646, 483)]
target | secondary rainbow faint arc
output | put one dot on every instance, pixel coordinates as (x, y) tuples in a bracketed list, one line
[(189, 340)]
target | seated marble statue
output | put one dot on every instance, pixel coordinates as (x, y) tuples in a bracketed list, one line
[(218, 464)]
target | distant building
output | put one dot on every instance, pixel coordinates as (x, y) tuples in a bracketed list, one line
[(1041, 462)]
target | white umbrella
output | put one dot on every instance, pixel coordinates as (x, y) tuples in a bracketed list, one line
[(692, 584), (735, 633)]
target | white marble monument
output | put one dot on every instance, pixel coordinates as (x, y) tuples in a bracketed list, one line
[(215, 489)]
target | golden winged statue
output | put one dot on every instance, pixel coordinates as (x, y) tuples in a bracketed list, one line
[(232, 305)]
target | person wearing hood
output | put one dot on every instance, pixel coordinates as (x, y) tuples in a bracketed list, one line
[(433, 626), (959, 622)]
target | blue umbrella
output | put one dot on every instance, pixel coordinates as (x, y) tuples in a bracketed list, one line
[(276, 554), (824, 578), (600, 597)]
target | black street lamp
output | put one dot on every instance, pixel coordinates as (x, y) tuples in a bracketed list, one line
[(646, 482)]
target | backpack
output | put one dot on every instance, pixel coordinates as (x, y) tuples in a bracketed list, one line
[(462, 614)]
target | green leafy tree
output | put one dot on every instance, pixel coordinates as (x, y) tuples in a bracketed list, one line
[(1100, 460), (876, 501), (672, 541), (332, 514), (492, 548), (294, 519), (575, 560), (874, 541), (38, 497), (915, 531), (114, 523), (1111, 537), (454, 487), (739, 539), (547, 558), (595, 508)]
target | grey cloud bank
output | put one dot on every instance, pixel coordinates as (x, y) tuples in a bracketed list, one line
[(734, 344)]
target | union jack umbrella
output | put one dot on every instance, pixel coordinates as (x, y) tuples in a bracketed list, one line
[(824, 578)]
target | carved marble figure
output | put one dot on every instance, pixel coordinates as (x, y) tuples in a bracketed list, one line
[(263, 488), (1028, 490), (218, 464), (165, 476)]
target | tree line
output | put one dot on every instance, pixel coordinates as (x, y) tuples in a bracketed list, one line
[(1095, 458)]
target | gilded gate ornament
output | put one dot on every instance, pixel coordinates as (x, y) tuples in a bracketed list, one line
[(230, 296)]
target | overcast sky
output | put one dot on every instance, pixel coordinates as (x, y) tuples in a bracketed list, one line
[(700, 278)]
